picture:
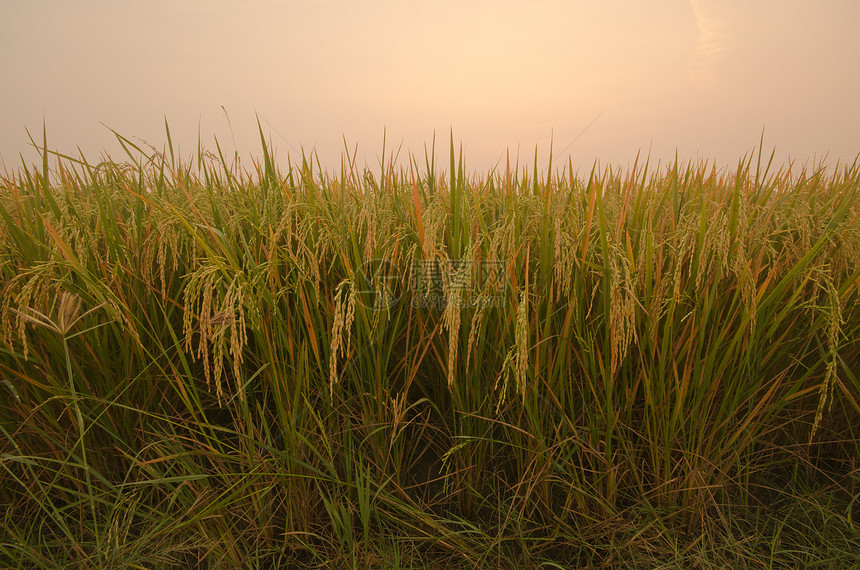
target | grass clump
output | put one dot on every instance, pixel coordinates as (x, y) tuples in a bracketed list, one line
[(207, 365)]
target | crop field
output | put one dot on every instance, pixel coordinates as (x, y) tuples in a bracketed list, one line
[(206, 364)]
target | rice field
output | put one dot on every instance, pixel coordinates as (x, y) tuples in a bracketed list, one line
[(210, 365)]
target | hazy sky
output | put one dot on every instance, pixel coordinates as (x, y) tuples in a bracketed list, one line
[(702, 77)]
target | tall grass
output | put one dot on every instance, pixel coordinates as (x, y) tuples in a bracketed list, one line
[(203, 364)]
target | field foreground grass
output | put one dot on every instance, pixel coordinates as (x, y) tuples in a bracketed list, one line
[(208, 366)]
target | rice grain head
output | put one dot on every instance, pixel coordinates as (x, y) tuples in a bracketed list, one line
[(522, 342), (35, 290), (833, 312), (504, 378), (477, 319), (344, 314), (622, 306), (451, 322)]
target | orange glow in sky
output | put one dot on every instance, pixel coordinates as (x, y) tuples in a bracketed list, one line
[(700, 77)]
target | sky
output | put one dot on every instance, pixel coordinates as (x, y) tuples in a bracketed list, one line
[(593, 81)]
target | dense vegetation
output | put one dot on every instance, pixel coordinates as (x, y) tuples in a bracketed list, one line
[(205, 365)]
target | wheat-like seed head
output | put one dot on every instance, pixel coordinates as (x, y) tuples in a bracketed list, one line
[(434, 219), (68, 311), (369, 214), (721, 237), (36, 289), (565, 260), (477, 319), (344, 314), (169, 252), (202, 286), (833, 311), (659, 294), (453, 289), (558, 253), (746, 284), (522, 342), (622, 306), (684, 248), (504, 378)]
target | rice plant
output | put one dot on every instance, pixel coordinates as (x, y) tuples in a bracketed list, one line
[(227, 367)]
